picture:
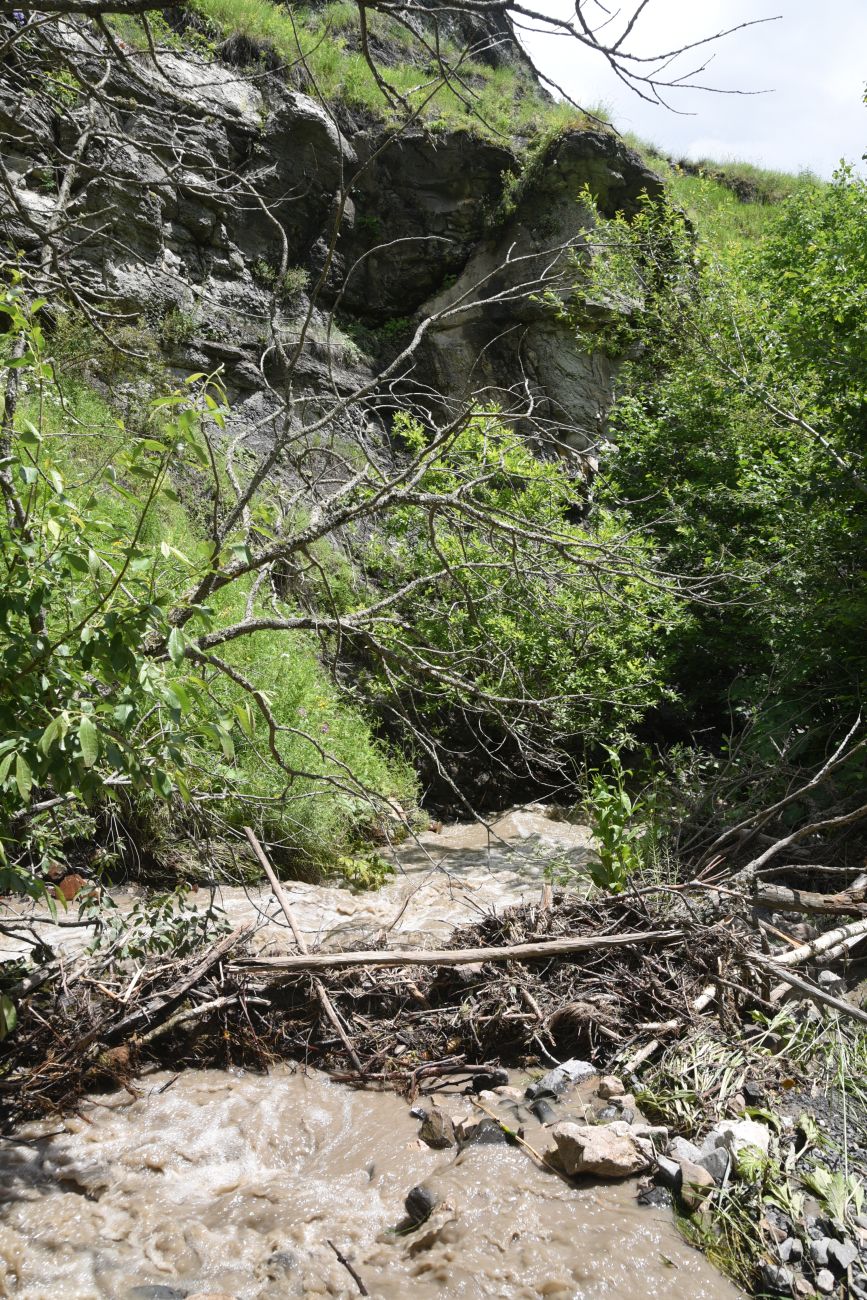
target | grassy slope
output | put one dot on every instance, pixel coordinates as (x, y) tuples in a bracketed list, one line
[(319, 50), (730, 203), (314, 832)]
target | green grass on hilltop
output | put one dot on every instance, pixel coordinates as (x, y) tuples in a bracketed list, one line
[(319, 49), (731, 203)]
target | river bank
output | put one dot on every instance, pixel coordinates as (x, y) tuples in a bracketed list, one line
[(468, 959)]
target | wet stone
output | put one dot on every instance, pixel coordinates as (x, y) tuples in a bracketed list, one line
[(608, 1113), (488, 1079), (437, 1129), (486, 1133), (608, 1151), (668, 1172), (420, 1203), (556, 1082), (658, 1198), (544, 1112)]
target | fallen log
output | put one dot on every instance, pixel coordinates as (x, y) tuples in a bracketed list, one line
[(779, 898), (542, 951)]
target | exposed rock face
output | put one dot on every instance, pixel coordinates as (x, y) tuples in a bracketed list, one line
[(200, 179)]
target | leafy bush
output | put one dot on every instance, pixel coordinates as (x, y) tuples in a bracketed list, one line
[(101, 701), (497, 607), (738, 440)]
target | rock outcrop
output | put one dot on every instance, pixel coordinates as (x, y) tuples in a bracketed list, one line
[(200, 183)]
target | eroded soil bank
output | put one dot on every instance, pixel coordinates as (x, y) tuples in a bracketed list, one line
[(220, 1181)]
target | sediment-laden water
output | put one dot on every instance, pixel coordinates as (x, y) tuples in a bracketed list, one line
[(234, 1184), (230, 1183)]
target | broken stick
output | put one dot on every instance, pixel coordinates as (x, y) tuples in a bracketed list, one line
[(324, 1000)]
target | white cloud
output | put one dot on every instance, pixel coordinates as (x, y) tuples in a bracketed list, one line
[(812, 62)]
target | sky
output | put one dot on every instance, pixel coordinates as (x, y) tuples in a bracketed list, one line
[(812, 63)]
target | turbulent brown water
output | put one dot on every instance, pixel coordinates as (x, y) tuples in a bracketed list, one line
[(440, 881), (234, 1184)]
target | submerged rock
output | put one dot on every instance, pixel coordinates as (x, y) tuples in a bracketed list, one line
[(544, 1113), (487, 1132), (420, 1203)]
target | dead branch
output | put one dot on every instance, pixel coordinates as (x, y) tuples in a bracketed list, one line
[(851, 902), (807, 987), (831, 942), (324, 1000), (460, 956)]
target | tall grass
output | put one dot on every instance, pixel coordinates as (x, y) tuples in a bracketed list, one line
[(320, 47)]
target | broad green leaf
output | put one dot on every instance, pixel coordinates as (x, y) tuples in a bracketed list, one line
[(23, 777), (246, 719), (8, 1016), (53, 733), (88, 738), (176, 645)]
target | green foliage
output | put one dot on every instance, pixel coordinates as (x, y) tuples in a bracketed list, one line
[(616, 821), (8, 1016), (160, 923), (739, 435), (81, 705), (510, 599), (841, 1194), (288, 286), (101, 699), (177, 327)]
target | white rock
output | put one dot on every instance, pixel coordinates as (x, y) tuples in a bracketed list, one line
[(735, 1134)]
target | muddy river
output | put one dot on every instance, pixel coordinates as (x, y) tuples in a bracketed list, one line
[(233, 1184), (226, 1184)]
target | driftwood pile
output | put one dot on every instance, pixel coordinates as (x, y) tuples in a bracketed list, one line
[(613, 978)]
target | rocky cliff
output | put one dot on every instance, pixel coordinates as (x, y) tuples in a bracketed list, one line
[(251, 227)]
